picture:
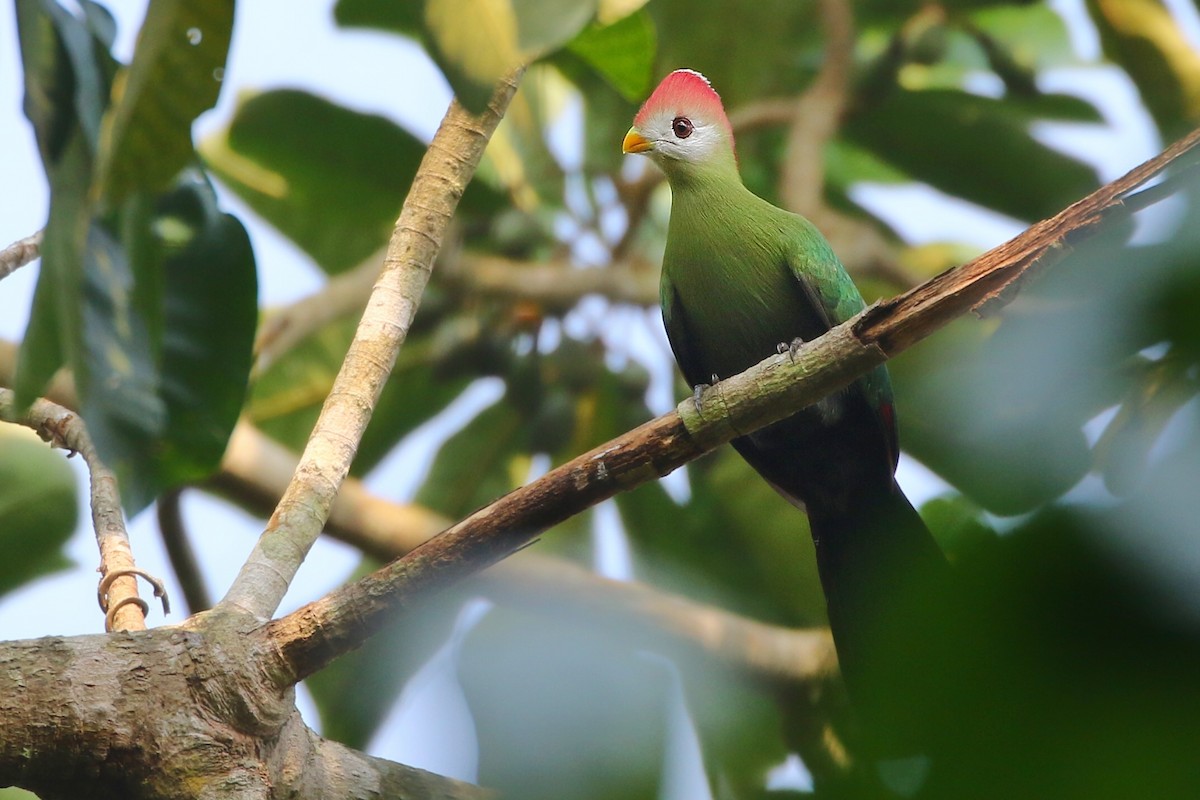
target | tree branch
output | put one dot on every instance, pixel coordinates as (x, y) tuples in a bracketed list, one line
[(817, 114), (312, 636), (19, 253), (447, 166), (255, 472), (180, 553)]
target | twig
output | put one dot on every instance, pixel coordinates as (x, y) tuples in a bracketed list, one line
[(20, 253), (447, 166), (818, 113), (125, 609), (179, 552), (557, 283), (306, 640)]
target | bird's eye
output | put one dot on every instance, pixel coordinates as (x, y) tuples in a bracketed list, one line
[(682, 126)]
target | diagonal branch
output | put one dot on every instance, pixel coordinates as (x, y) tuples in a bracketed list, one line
[(254, 473), (445, 170), (312, 636)]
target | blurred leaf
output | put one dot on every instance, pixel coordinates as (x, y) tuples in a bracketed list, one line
[(478, 464), (549, 698), (119, 383), (358, 690), (210, 305), (1123, 450), (405, 18), (1085, 679), (164, 410), (330, 179), (1033, 35), (65, 94), (1145, 40), (976, 414), (67, 72), (623, 53), (475, 42), (956, 524), (968, 146), (37, 508), (175, 75), (847, 164), (748, 50)]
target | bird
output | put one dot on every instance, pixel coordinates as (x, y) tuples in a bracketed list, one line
[(743, 280)]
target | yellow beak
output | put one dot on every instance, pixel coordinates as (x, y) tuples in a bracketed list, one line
[(635, 143)]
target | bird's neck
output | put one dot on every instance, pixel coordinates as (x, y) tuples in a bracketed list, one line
[(717, 178)]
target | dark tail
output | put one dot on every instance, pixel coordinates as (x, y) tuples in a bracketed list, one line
[(880, 569)]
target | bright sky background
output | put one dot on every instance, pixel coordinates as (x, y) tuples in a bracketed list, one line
[(386, 75)]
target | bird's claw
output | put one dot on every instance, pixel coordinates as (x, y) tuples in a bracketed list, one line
[(698, 390), (791, 348)]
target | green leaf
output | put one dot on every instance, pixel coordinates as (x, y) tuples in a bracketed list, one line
[(562, 711), (175, 75), (117, 377), (330, 179), (478, 464), (969, 146), (66, 90), (37, 508), (210, 305), (67, 65), (53, 337), (356, 692), (405, 17), (1034, 35), (160, 404), (1145, 40), (623, 53)]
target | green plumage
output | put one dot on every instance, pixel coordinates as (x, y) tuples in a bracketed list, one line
[(740, 278)]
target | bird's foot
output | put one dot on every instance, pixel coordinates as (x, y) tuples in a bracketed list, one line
[(698, 390), (791, 348)]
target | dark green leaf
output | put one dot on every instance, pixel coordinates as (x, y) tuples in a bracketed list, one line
[(65, 93), (176, 74), (969, 146), (405, 17), (211, 312), (65, 82), (160, 401), (53, 337), (119, 389)]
